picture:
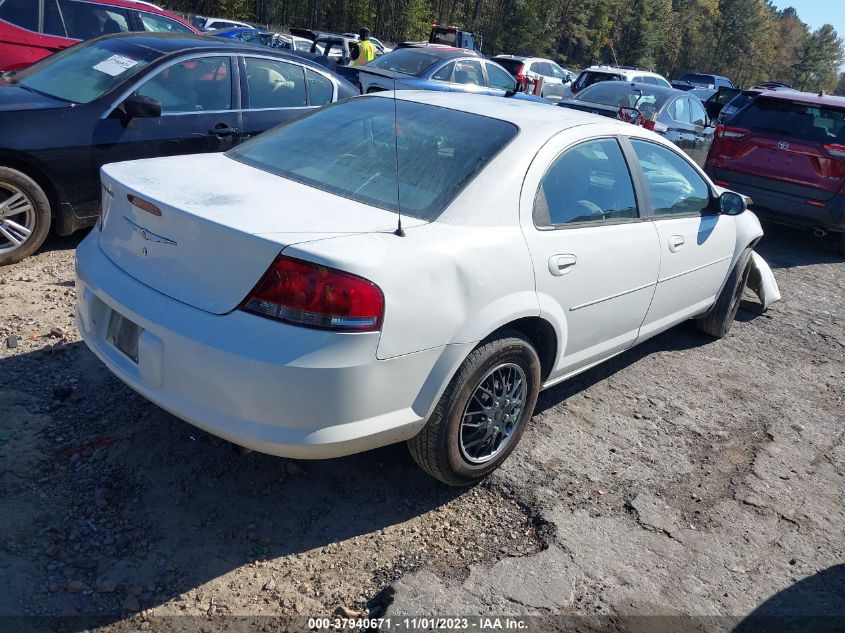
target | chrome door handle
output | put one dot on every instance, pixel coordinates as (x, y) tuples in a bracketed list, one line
[(675, 243), (560, 265)]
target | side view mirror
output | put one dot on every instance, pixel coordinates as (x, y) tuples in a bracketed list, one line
[(141, 107), (731, 203)]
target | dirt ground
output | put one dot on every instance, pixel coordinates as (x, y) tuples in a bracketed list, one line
[(684, 477)]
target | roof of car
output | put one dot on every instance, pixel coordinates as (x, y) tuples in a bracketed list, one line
[(518, 58), (813, 98), (656, 90), (235, 29), (620, 70), (524, 114)]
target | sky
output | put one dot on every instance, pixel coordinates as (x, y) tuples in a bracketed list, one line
[(815, 13)]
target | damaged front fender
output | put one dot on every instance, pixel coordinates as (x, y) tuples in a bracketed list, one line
[(762, 281)]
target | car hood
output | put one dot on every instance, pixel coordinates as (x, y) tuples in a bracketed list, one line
[(14, 98)]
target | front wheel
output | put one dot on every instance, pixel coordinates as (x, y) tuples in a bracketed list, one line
[(719, 319), (24, 216), (483, 412)]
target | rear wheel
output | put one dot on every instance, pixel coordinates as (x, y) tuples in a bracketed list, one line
[(24, 216), (718, 321), (483, 413)]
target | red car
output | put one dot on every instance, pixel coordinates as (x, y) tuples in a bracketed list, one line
[(786, 150), (33, 29)]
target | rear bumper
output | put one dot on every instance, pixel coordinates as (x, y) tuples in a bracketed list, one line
[(785, 208), (272, 387)]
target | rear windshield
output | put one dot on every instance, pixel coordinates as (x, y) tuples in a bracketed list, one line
[(353, 145), (703, 80), (406, 61), (87, 71), (623, 94), (511, 65), (808, 122), (588, 78)]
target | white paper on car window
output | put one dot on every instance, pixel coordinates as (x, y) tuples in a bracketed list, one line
[(115, 65)]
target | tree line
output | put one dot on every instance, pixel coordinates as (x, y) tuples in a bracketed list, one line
[(749, 41)]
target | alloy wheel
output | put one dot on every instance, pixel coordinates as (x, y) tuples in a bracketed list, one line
[(17, 217), (493, 413)]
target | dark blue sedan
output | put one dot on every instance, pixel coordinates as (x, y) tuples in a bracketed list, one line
[(442, 68)]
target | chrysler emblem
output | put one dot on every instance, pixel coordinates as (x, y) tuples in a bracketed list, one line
[(783, 145)]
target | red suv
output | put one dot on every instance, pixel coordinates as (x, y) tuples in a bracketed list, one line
[(33, 29), (786, 150)]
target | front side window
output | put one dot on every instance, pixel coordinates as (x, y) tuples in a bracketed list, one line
[(160, 24), (445, 73), (83, 20), (320, 89), (468, 72), (499, 78), (193, 86), (274, 84), (557, 71), (587, 183), (675, 187), (368, 148)]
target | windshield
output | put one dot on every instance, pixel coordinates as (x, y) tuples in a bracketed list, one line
[(85, 72), (406, 61), (805, 121), (353, 152), (588, 78), (513, 66), (622, 94)]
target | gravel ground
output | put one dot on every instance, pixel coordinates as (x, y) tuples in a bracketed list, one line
[(684, 477)]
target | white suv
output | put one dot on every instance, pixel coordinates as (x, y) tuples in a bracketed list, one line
[(595, 74)]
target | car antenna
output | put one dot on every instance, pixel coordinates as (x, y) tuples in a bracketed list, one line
[(399, 232)]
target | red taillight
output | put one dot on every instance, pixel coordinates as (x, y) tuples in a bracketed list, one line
[(655, 126), (308, 294), (815, 203), (734, 133), (837, 151)]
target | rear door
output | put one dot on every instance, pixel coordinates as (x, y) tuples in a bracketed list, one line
[(681, 130), (274, 92), (790, 148), (21, 43), (696, 244), (200, 113), (595, 257)]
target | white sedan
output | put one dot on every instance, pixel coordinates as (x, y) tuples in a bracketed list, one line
[(270, 296)]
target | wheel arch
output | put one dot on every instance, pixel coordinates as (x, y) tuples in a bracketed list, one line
[(39, 175)]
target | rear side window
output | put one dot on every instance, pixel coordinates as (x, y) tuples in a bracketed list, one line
[(22, 13), (274, 84), (320, 89), (674, 186), (587, 183), (439, 152), (160, 24), (679, 110), (808, 122), (468, 72), (445, 73)]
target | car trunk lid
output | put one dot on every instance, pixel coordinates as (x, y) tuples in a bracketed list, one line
[(204, 229)]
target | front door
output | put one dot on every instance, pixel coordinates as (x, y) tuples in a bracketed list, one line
[(696, 244), (199, 114), (595, 258)]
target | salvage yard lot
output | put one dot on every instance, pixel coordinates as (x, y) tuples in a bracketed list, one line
[(686, 476)]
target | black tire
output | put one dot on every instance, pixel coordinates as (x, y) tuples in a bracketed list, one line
[(437, 448), (719, 319), (14, 182)]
